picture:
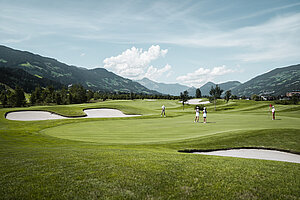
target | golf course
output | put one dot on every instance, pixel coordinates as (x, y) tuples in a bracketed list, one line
[(146, 156)]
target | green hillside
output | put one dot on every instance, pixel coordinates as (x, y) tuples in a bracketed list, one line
[(16, 76), (276, 82), (48, 68)]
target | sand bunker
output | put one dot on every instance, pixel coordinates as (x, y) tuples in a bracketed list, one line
[(256, 154), (195, 102), (45, 115)]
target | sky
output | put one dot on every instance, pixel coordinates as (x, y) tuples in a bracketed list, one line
[(186, 42)]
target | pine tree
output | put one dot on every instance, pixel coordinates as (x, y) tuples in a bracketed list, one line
[(19, 99), (215, 93), (198, 93), (227, 95), (184, 97)]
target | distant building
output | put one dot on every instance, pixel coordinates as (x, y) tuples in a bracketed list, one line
[(289, 94)]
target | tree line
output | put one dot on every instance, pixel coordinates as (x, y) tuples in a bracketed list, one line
[(74, 94)]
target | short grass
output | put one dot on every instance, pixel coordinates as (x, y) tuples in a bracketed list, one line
[(138, 158)]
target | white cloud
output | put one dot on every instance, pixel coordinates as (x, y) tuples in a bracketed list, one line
[(134, 63), (202, 75), (154, 73)]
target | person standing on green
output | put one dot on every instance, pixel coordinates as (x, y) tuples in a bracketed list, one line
[(273, 112), (204, 115), (197, 114), (163, 111)]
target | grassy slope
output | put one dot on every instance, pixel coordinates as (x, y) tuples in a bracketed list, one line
[(36, 165)]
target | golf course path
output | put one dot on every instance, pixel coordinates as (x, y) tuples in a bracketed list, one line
[(256, 154), (45, 115)]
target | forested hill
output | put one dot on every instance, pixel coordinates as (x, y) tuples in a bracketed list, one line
[(276, 82), (50, 69), (13, 77)]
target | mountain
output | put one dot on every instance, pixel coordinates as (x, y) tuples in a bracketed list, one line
[(230, 85), (14, 76), (276, 82), (172, 89), (192, 91), (206, 88), (51, 69)]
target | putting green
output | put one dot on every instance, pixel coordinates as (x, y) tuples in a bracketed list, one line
[(165, 129)]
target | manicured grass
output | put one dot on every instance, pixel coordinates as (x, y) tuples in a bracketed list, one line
[(138, 158), (165, 129)]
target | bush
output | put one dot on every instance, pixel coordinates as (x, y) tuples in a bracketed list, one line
[(285, 102)]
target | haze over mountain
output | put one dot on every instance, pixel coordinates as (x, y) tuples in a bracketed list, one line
[(164, 88), (51, 71), (176, 89), (224, 86)]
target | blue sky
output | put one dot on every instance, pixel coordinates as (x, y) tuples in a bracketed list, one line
[(187, 42)]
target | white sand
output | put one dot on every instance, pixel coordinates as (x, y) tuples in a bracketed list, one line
[(195, 102), (105, 113), (256, 154), (45, 115)]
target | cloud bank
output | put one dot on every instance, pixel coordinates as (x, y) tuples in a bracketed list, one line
[(134, 63), (202, 75)]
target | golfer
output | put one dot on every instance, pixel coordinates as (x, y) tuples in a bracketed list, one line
[(204, 115), (197, 114), (163, 111), (273, 112)]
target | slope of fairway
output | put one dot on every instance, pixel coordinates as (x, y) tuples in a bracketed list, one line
[(165, 129), (139, 158)]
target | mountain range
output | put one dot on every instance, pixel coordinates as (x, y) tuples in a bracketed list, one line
[(230, 85), (164, 88), (29, 70), (48, 69), (176, 89), (276, 82)]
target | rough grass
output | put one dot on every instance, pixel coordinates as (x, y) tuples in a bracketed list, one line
[(36, 165)]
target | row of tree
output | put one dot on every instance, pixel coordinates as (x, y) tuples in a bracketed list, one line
[(72, 95), (78, 94)]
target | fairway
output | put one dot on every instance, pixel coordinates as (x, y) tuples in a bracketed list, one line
[(166, 129), (143, 157)]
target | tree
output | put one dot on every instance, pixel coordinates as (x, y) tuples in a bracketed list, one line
[(184, 97), (255, 97), (77, 94), (198, 93), (295, 99), (3, 98), (64, 96), (215, 93), (89, 95), (57, 98), (227, 95), (18, 97)]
